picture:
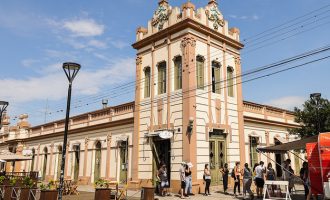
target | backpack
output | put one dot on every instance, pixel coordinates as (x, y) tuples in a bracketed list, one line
[(233, 173)]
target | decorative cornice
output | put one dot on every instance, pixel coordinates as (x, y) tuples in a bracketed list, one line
[(184, 24), (188, 41)]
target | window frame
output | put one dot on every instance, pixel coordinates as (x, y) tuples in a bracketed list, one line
[(162, 74), (230, 82), (177, 72), (147, 88), (216, 84), (200, 78)]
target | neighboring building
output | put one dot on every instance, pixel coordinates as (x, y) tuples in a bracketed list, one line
[(188, 107)]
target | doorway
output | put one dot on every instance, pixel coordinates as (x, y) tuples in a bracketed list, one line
[(76, 162), (278, 159), (59, 161), (218, 155), (97, 165), (123, 162), (161, 151)]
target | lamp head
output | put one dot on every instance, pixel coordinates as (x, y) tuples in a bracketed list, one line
[(71, 70)]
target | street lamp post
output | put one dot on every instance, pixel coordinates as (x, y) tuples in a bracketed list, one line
[(71, 70), (3, 106), (317, 97)]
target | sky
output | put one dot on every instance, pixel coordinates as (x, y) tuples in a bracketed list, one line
[(37, 36)]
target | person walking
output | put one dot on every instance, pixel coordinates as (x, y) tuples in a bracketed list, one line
[(183, 179), (207, 178), (304, 176), (259, 179), (236, 174), (225, 173), (247, 181)]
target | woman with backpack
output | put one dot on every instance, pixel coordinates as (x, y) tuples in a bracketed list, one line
[(225, 174), (236, 175)]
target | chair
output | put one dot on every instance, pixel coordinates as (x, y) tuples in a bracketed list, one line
[(122, 192), (73, 188)]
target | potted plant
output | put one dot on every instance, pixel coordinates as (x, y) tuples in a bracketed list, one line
[(48, 191), (102, 190), (27, 185)]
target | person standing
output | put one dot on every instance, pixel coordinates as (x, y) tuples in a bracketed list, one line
[(304, 176), (247, 181), (183, 179), (188, 178), (225, 173), (259, 179), (164, 184), (270, 174), (207, 178), (236, 174)]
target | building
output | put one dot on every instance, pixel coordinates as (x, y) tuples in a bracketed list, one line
[(188, 107)]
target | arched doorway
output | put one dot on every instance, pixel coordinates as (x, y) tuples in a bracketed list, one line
[(97, 166), (59, 160), (32, 161), (76, 151), (44, 167)]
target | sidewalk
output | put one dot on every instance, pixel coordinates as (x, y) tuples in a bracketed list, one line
[(87, 193)]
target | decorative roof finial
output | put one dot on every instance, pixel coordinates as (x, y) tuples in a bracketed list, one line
[(213, 2), (160, 2)]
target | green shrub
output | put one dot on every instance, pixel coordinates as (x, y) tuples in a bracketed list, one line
[(101, 183)]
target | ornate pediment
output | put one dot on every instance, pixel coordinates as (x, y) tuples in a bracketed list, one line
[(161, 15), (214, 15)]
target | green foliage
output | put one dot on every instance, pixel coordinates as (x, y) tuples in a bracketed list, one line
[(101, 183), (28, 182), (308, 116), (49, 186), (2, 179), (12, 181)]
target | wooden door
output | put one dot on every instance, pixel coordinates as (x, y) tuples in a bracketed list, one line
[(217, 159), (123, 164)]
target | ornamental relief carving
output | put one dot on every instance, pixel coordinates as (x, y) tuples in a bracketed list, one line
[(214, 15), (161, 15), (138, 60), (188, 41)]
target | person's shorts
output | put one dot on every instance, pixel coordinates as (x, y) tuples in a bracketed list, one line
[(260, 182), (183, 184), (164, 184)]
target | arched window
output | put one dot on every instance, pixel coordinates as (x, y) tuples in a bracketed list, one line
[(147, 82), (230, 81), (216, 86), (177, 73), (200, 71), (162, 78), (44, 167)]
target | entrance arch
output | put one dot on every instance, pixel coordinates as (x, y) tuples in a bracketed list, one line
[(97, 165)]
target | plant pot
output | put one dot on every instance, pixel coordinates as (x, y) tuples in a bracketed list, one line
[(102, 193), (7, 190), (48, 195), (25, 194)]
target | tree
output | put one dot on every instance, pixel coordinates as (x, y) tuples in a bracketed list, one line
[(309, 115)]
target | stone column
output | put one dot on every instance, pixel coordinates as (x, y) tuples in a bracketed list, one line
[(240, 110), (66, 160), (189, 144), (85, 178), (136, 134), (107, 169)]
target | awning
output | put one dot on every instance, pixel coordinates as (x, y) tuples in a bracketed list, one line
[(14, 157), (164, 134), (283, 148)]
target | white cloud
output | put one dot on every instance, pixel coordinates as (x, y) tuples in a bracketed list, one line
[(245, 17), (52, 84), (288, 102), (97, 43), (84, 27), (29, 62), (119, 44)]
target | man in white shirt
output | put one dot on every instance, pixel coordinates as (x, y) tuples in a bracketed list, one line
[(259, 179)]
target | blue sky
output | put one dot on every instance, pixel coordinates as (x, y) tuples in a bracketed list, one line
[(37, 36)]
